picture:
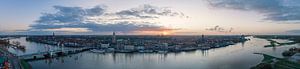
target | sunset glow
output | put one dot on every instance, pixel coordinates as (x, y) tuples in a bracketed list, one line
[(150, 34), (194, 17), (165, 33)]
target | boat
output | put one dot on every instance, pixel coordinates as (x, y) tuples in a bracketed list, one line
[(125, 51), (188, 49), (145, 51), (204, 47), (162, 52), (97, 51)]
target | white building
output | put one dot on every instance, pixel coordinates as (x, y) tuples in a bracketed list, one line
[(129, 47), (104, 45)]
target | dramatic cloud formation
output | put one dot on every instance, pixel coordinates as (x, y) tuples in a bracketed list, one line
[(219, 29), (69, 15), (274, 10), (148, 11), (96, 19)]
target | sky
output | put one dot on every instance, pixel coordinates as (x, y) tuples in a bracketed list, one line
[(149, 17)]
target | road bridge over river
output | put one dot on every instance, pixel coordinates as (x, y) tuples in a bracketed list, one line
[(52, 53)]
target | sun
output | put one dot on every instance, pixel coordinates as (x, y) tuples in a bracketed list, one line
[(165, 33)]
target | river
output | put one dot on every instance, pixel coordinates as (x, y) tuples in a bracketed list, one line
[(238, 56)]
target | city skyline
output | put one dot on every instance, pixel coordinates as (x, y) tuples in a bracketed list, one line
[(150, 34), (144, 17)]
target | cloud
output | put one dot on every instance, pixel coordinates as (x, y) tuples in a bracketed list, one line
[(230, 30), (96, 19), (148, 11), (69, 15), (273, 10), (121, 26), (186, 33), (293, 31), (217, 28)]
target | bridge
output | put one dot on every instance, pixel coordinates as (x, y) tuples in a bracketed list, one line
[(52, 53), (39, 53)]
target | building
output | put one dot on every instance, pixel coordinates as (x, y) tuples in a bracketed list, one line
[(53, 34), (140, 47), (104, 45), (114, 40), (129, 47), (4, 42)]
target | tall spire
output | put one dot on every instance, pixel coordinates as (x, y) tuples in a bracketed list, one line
[(53, 34), (114, 38)]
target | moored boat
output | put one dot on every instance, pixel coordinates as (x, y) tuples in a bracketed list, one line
[(162, 52), (97, 51)]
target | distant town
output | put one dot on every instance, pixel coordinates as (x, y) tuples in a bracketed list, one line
[(141, 44)]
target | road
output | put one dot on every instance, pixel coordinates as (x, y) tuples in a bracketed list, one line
[(13, 59)]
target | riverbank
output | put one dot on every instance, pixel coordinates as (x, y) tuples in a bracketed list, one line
[(294, 38), (271, 62), (274, 43), (25, 65), (291, 60)]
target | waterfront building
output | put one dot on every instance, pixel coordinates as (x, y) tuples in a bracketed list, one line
[(110, 50), (129, 47), (140, 47), (104, 45), (4, 42), (163, 46)]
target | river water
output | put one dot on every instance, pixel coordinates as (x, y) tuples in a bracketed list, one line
[(238, 56)]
